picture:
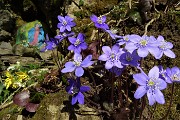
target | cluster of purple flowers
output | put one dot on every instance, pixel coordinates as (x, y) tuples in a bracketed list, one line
[(116, 59), (155, 81), (147, 44)]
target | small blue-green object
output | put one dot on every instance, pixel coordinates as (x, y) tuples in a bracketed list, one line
[(31, 34)]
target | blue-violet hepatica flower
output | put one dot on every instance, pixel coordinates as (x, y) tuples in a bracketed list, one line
[(78, 64), (144, 45), (173, 74), (112, 57), (77, 43), (130, 59), (65, 23), (151, 85), (76, 90), (99, 22), (164, 47)]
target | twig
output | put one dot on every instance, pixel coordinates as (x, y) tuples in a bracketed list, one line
[(130, 4), (149, 23)]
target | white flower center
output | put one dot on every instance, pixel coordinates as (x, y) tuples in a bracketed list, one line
[(74, 90), (126, 39), (175, 77), (129, 57), (163, 46), (77, 63), (99, 20), (77, 42), (143, 42), (64, 22)]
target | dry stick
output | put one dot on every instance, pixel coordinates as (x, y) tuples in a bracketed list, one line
[(149, 23), (130, 5), (172, 93)]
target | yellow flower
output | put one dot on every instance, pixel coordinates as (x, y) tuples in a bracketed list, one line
[(22, 76), (9, 80)]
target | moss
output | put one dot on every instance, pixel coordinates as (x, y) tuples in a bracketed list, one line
[(50, 106)]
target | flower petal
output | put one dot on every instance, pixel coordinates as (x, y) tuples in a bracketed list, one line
[(109, 64), (80, 97), (74, 99), (83, 45), (103, 57), (79, 71), (106, 50), (154, 72), (150, 97), (140, 78), (72, 40), (69, 64), (84, 88), (94, 18), (159, 97), (141, 90), (68, 69), (162, 84), (117, 63), (87, 61), (68, 28), (142, 52), (169, 53), (71, 47)]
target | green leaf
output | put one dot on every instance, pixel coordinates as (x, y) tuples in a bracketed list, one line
[(1, 87), (81, 2)]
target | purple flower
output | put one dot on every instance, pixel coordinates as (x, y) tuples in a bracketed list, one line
[(113, 36), (77, 43), (78, 65), (50, 44), (116, 70), (76, 90), (143, 44), (99, 22), (111, 56), (63, 35), (130, 59), (124, 40), (164, 47), (173, 74), (65, 23), (163, 74), (151, 85)]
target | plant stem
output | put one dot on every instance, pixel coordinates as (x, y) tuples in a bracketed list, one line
[(112, 89), (171, 99)]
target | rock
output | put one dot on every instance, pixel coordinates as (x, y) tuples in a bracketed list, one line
[(5, 48), (6, 25), (4, 35), (56, 106), (6, 21)]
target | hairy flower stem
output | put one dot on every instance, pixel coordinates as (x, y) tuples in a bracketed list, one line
[(170, 104), (112, 88), (153, 111), (99, 41), (119, 93), (94, 82), (142, 106), (55, 60)]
